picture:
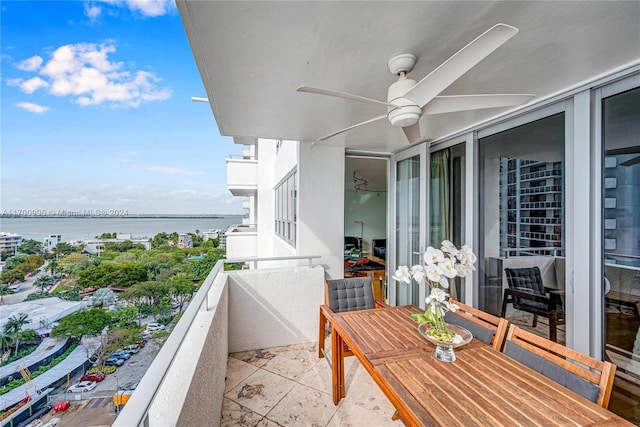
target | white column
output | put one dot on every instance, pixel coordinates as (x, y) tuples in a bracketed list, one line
[(583, 310)]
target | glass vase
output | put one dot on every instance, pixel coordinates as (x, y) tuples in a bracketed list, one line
[(445, 350)]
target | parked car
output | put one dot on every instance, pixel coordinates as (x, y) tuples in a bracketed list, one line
[(61, 406), (121, 355), (153, 327), (82, 386), (16, 287), (131, 348), (96, 376), (113, 361)]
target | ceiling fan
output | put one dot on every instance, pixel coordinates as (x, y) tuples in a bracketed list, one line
[(407, 100)]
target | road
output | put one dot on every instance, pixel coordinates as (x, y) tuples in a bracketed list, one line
[(96, 407), (27, 287)]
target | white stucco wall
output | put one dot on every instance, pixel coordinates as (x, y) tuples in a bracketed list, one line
[(371, 209), (202, 354), (272, 308), (273, 165), (321, 202)]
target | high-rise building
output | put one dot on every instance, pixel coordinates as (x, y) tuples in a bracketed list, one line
[(531, 209)]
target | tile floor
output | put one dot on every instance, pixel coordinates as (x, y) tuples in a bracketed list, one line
[(291, 386)]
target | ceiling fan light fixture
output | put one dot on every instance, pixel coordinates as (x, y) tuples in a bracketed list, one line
[(407, 115), (404, 119)]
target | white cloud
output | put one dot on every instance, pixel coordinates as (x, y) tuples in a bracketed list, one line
[(92, 11), (30, 64), (33, 84), (151, 7), (34, 108), (146, 8), (13, 82), (135, 198), (85, 72), (168, 170)]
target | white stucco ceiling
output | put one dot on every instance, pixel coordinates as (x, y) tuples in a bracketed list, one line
[(253, 55)]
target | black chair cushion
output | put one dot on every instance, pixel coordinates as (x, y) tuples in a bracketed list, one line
[(526, 305), (526, 279), (552, 371), (350, 294), (351, 243), (480, 332)]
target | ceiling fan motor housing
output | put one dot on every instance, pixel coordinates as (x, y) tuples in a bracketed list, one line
[(407, 113)]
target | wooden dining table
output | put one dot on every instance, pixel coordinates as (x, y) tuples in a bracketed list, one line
[(483, 387)]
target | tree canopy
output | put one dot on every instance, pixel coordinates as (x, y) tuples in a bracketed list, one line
[(90, 322), (31, 247)]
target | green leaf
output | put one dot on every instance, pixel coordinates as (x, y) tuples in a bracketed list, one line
[(420, 318)]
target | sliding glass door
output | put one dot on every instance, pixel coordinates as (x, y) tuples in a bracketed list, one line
[(408, 247), (522, 194), (621, 243), (446, 202)]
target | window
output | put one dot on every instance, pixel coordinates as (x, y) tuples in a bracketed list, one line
[(407, 224), (286, 207), (522, 202), (621, 243)]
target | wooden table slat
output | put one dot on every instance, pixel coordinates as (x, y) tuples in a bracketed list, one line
[(482, 388), (533, 386), (486, 393)]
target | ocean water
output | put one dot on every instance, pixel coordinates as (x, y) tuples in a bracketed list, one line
[(81, 228)]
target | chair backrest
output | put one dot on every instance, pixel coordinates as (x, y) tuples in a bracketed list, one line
[(348, 294), (525, 279), (351, 242), (587, 376), (484, 326)]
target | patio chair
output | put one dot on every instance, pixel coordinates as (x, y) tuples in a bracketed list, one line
[(484, 326), (527, 293), (340, 295), (585, 375)]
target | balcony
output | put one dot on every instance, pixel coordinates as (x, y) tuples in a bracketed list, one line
[(232, 318), (242, 176), (242, 241)]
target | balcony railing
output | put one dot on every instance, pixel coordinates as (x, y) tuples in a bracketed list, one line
[(550, 251), (232, 311), (549, 173)]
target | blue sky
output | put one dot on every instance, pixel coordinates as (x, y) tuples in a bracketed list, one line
[(96, 111)]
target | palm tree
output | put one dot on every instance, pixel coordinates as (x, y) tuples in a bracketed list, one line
[(41, 283), (4, 290), (14, 326), (53, 266), (6, 340)]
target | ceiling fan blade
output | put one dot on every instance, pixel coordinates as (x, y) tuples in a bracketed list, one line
[(632, 161), (453, 68), (448, 104), (318, 91), (331, 135), (412, 133)]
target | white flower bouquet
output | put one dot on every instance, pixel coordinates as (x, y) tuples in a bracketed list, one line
[(439, 266)]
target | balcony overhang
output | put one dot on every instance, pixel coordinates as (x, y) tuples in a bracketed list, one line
[(242, 177), (251, 78)]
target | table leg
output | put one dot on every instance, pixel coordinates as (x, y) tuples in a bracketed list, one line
[(337, 371)]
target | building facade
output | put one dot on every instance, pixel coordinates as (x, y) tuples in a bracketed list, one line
[(10, 242), (453, 179), (51, 241)]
